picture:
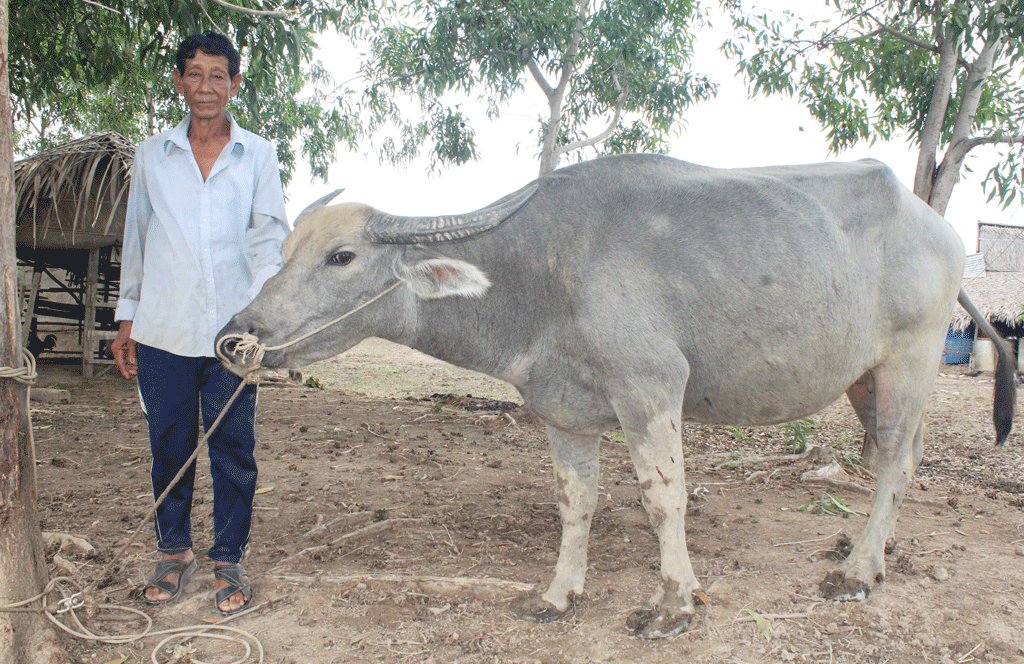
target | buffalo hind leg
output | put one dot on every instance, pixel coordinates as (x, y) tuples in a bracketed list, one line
[(862, 397), (575, 461), (899, 399), (656, 449)]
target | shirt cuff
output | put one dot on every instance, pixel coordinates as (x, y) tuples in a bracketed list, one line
[(261, 278), (125, 310)]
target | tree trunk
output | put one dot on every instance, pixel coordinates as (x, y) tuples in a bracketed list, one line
[(25, 638), (931, 133)]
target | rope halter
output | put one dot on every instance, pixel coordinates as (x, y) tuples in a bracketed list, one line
[(249, 346)]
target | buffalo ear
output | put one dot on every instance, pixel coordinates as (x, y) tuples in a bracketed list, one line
[(439, 276)]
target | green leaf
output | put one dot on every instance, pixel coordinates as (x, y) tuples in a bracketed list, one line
[(762, 623)]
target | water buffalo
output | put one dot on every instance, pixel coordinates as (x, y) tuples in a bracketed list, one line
[(643, 291)]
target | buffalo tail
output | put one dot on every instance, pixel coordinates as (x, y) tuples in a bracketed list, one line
[(1006, 385)]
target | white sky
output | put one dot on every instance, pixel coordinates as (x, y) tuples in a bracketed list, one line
[(729, 131)]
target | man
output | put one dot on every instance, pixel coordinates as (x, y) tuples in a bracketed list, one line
[(203, 232)]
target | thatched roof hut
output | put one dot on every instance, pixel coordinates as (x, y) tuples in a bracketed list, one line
[(998, 295), (74, 196)]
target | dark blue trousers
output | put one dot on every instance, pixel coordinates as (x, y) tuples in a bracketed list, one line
[(174, 390)]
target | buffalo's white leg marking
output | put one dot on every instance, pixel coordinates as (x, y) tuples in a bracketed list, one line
[(575, 461), (657, 454)]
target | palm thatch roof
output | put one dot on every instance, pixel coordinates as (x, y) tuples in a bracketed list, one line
[(998, 295), (74, 196)]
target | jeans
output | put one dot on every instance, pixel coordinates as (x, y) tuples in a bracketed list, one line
[(174, 389)]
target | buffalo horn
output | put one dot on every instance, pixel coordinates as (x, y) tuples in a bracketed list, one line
[(390, 229), (316, 205)]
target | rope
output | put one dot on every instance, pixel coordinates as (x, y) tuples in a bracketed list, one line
[(248, 345), (69, 603)]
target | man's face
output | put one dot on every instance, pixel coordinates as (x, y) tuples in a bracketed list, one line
[(206, 85)]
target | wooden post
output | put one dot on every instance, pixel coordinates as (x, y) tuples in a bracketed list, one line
[(90, 345), (30, 309)]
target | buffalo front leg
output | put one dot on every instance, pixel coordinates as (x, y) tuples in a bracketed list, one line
[(657, 454), (575, 461)]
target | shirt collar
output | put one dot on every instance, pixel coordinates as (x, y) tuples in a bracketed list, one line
[(178, 137)]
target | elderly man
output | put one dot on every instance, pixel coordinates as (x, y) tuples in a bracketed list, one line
[(203, 232)]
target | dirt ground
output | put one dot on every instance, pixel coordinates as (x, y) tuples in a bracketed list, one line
[(372, 483)]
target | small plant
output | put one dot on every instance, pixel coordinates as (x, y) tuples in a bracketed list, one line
[(798, 432), (829, 504), (314, 383), (616, 437), (738, 433)]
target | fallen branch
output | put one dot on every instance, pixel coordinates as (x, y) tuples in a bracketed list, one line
[(779, 616), (65, 540), (459, 586), (863, 490), (351, 517), (810, 541), (366, 531), (372, 529), (815, 450)]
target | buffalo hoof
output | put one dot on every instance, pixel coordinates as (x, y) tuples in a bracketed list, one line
[(655, 624), (531, 606), (838, 586)]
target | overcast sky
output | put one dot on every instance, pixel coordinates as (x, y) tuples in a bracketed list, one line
[(730, 131)]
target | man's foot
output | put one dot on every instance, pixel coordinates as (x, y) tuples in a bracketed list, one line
[(170, 577), (232, 576)]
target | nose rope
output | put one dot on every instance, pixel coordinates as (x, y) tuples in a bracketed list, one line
[(249, 345)]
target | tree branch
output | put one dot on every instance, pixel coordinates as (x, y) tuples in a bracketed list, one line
[(202, 6), (973, 88), (910, 39), (255, 12), (620, 103), (959, 150), (549, 150), (538, 76), (931, 132), (101, 6)]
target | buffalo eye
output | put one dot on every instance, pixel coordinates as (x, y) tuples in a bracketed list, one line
[(341, 258)]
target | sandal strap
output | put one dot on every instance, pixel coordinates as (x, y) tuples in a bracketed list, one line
[(165, 568), (232, 575)]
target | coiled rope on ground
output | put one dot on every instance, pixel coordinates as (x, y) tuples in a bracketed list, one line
[(251, 352)]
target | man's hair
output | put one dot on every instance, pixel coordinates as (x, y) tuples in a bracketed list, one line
[(210, 42)]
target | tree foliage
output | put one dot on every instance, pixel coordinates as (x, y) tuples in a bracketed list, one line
[(614, 73), (78, 67), (946, 73)]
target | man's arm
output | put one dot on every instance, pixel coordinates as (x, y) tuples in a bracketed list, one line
[(137, 214), (268, 225)]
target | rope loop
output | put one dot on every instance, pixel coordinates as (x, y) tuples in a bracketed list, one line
[(248, 345), (25, 374)]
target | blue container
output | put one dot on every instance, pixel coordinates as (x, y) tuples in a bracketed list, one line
[(959, 345)]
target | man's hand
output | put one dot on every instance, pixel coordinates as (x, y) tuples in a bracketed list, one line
[(123, 348)]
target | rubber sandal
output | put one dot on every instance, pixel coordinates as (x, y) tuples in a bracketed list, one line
[(232, 574), (165, 568)]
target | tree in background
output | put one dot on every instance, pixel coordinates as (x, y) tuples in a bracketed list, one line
[(614, 73), (78, 67), (947, 73)]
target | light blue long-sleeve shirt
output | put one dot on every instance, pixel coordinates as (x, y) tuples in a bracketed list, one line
[(195, 253)]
